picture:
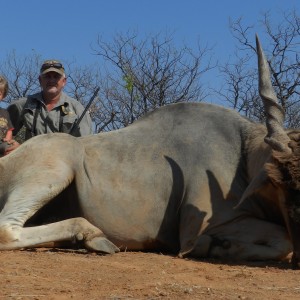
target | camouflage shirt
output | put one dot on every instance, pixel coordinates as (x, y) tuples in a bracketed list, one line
[(32, 113)]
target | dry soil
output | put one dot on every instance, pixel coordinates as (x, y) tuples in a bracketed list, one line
[(60, 274)]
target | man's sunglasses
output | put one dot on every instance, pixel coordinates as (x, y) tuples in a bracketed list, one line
[(54, 65)]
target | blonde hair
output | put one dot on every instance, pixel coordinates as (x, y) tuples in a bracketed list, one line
[(3, 86)]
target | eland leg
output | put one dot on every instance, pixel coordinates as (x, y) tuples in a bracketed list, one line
[(76, 229), (249, 239)]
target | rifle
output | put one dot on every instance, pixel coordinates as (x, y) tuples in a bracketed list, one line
[(77, 122)]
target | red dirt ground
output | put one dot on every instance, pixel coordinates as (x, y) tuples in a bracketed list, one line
[(58, 274)]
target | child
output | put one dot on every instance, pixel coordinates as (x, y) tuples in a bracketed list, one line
[(6, 127)]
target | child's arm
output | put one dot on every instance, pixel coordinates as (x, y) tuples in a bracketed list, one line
[(9, 134)]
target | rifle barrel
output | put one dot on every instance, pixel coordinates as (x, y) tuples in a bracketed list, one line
[(85, 110)]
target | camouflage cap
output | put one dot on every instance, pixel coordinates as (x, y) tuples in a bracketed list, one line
[(52, 65)]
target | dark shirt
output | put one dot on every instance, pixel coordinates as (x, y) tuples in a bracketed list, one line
[(5, 123)]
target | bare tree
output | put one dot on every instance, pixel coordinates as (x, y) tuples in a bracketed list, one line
[(146, 73), (135, 75), (82, 81), (282, 45), (22, 73)]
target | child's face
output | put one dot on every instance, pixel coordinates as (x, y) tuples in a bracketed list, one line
[(1, 94)]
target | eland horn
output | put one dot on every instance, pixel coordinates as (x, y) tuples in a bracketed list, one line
[(277, 137)]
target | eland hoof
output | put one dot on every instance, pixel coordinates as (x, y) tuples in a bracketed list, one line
[(101, 244)]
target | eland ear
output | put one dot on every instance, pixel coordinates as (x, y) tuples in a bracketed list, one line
[(257, 183)]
